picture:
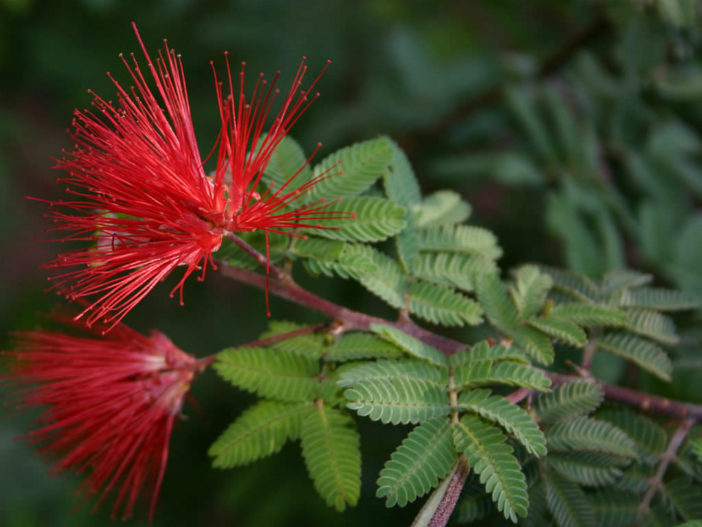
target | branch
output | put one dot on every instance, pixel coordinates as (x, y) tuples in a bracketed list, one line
[(350, 319), (641, 400), (668, 456)]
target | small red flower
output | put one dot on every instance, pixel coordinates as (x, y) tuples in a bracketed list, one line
[(110, 403), (142, 199)]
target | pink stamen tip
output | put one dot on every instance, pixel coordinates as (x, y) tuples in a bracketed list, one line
[(339, 199), (353, 214), (305, 237)]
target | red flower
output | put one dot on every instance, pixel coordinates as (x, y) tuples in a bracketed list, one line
[(110, 403), (141, 196)]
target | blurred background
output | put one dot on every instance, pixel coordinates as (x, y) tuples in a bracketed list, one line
[(573, 128)]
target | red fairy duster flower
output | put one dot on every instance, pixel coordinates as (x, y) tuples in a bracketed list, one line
[(141, 197), (110, 403)]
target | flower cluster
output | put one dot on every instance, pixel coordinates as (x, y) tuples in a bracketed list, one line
[(109, 406), (141, 198)]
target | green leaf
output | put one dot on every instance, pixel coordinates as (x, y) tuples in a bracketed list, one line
[(585, 433), (474, 505), (286, 161), (539, 515), (387, 281), (454, 269), (585, 468), (441, 305), (317, 248), (621, 280), (482, 351), (409, 344), (423, 458), (395, 392), (650, 438), (355, 261), (499, 308), (311, 345), (560, 328), (356, 346), (640, 351), (657, 298), (502, 313), (696, 448), (590, 314), (360, 164), (407, 245), (568, 400), (375, 219), (260, 431), (460, 239), (530, 290), (614, 508), (683, 498), (400, 182), (273, 374), (440, 208), (636, 478), (492, 459), (509, 373), (573, 284), (568, 503), (510, 416), (330, 447), (652, 324)]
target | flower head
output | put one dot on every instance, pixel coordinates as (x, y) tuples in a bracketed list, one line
[(141, 198), (109, 406), (138, 192)]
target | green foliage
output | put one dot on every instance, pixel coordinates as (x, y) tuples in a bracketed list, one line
[(460, 239), (281, 375), (409, 344), (682, 497), (454, 269), (356, 168), (586, 468), (641, 352), (287, 159), (423, 458), (567, 503), (529, 290), (586, 433), (489, 456), (260, 431), (614, 508), (356, 346), (512, 418), (567, 401), (331, 449), (441, 208), (374, 219), (441, 305), (510, 373), (407, 391), (649, 437)]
